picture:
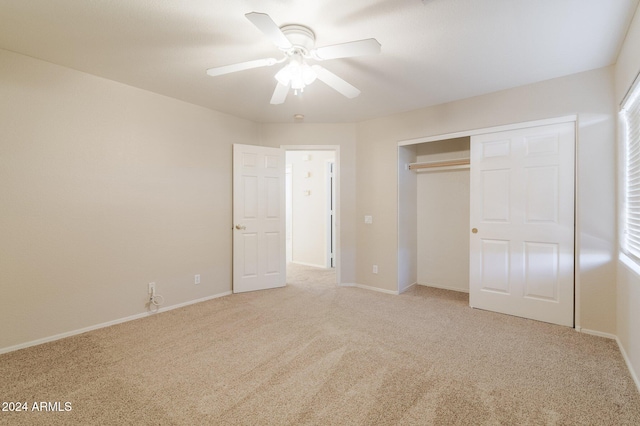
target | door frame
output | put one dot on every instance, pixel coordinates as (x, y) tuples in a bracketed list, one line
[(336, 175), (288, 183), (514, 126), (331, 211)]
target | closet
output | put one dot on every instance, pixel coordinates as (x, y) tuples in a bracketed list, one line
[(491, 212), (440, 170)]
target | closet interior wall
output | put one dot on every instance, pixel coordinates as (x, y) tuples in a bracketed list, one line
[(442, 204)]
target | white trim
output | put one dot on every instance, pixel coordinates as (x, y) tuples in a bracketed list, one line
[(330, 205), (407, 288), (107, 324), (367, 287), (475, 132), (596, 333), (634, 83), (629, 263), (444, 287), (620, 147), (288, 196), (310, 147), (627, 361), (577, 293), (632, 372)]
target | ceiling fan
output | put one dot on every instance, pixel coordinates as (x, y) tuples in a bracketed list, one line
[(297, 42)]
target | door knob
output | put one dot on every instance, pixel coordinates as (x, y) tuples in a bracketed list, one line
[(241, 227), (474, 230)]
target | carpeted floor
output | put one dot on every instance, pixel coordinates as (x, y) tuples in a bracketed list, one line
[(305, 275), (314, 353)]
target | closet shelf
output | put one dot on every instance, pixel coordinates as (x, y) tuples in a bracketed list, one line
[(439, 164)]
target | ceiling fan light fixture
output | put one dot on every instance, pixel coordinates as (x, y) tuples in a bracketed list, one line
[(297, 43), (296, 75)]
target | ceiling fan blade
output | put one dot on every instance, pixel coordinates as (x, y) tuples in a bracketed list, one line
[(335, 82), (267, 62), (369, 46), (269, 28), (280, 94)]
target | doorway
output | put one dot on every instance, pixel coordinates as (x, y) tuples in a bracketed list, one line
[(311, 214)]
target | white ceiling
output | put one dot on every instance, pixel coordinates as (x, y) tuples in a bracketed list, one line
[(433, 51)]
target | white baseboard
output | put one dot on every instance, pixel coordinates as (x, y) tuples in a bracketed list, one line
[(367, 287), (407, 288), (597, 333), (627, 361), (634, 376), (106, 324), (446, 288)]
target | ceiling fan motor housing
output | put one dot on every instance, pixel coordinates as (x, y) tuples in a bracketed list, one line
[(302, 38)]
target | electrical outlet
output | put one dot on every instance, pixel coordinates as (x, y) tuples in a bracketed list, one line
[(152, 288), (196, 279), (375, 269)]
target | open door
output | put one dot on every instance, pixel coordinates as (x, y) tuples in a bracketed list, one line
[(259, 254), (522, 223)]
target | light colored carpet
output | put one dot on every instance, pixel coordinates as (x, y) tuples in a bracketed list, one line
[(302, 275), (321, 354)]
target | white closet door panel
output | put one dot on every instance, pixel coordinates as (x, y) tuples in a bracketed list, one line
[(495, 266), (522, 208), (542, 204), (495, 203), (541, 271)]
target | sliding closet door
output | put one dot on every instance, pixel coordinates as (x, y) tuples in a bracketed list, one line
[(522, 223)]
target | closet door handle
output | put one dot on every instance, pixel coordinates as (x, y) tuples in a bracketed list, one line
[(241, 227), (474, 230)]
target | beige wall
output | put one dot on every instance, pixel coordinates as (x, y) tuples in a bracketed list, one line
[(589, 95), (344, 137), (628, 307), (104, 188)]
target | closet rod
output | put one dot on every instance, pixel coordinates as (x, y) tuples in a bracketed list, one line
[(459, 162)]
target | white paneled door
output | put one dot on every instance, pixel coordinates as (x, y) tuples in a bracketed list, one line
[(259, 255), (522, 223)]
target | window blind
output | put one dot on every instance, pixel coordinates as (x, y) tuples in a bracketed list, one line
[(631, 120)]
